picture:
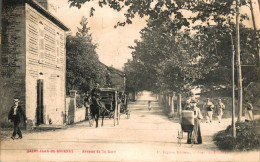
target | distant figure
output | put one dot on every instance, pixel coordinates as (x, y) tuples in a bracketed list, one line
[(249, 111), (219, 110), (149, 105), (15, 115), (209, 108), (196, 128)]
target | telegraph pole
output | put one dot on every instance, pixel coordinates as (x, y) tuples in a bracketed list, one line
[(239, 73)]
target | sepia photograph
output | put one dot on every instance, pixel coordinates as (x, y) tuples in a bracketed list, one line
[(129, 80)]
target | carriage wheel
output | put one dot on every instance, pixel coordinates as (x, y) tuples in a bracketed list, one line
[(90, 121), (128, 115), (180, 137)]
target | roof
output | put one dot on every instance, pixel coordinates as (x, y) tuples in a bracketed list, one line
[(47, 14), (114, 70)]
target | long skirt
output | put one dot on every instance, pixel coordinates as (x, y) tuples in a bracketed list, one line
[(196, 131), (249, 115)]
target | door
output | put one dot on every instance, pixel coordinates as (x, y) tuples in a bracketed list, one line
[(39, 101)]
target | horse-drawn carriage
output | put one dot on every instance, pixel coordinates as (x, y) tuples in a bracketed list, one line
[(105, 106)]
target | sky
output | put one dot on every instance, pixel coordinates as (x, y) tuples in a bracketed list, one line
[(112, 43)]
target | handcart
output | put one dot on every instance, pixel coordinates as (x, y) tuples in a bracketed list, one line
[(187, 125)]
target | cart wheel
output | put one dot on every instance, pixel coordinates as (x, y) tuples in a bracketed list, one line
[(90, 122), (180, 137), (128, 114)]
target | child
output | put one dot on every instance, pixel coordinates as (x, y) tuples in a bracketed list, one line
[(149, 105)]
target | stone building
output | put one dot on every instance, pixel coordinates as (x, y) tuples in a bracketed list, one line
[(33, 62)]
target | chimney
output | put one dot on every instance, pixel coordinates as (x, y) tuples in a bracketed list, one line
[(43, 3)]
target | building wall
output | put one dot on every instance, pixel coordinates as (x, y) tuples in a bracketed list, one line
[(12, 60), (45, 51)]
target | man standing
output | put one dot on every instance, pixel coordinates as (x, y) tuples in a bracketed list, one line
[(95, 95), (15, 115), (219, 110), (209, 108)]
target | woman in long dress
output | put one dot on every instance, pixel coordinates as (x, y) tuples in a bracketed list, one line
[(196, 128)]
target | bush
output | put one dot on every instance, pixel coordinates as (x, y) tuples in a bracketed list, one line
[(248, 137)]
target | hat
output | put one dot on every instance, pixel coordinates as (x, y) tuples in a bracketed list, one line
[(16, 100)]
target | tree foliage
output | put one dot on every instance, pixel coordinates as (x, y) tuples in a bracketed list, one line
[(176, 61), (83, 68), (203, 11), (178, 50), (162, 61)]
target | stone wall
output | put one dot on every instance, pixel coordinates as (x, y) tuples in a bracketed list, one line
[(75, 114), (13, 67)]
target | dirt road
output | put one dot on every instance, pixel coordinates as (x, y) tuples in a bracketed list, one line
[(146, 136)]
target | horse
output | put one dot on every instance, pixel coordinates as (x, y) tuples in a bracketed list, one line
[(98, 109)]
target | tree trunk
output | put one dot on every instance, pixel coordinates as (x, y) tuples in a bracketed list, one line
[(256, 34), (179, 104), (239, 73), (233, 88)]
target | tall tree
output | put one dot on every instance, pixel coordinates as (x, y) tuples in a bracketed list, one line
[(83, 66)]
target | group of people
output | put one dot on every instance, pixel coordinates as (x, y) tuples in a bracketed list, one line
[(210, 108), (219, 109)]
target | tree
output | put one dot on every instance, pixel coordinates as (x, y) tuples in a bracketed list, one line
[(83, 66), (161, 60)]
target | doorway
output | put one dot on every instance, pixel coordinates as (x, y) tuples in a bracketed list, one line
[(39, 102)]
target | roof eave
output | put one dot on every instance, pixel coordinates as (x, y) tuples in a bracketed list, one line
[(46, 13)]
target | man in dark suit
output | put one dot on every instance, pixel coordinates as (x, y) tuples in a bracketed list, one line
[(15, 115), (95, 95)]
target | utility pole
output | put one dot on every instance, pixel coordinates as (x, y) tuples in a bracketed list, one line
[(239, 73), (256, 33)]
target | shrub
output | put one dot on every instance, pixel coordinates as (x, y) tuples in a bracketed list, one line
[(248, 137)]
